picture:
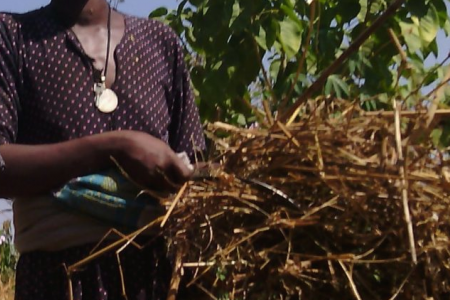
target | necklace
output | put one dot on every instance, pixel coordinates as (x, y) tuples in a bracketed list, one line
[(105, 99)]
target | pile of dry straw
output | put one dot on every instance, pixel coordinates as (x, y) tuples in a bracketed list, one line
[(340, 205)]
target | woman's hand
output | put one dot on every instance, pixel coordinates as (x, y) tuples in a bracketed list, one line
[(150, 162)]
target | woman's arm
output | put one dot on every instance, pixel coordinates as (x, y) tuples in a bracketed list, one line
[(35, 170)]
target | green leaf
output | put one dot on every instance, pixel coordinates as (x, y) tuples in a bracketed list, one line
[(337, 86), (290, 37), (412, 37), (441, 8), (436, 135), (240, 120), (420, 32), (235, 12), (445, 137), (290, 12), (447, 27), (158, 13), (363, 11), (261, 38), (429, 25), (274, 68), (377, 5), (196, 2), (289, 3), (272, 31)]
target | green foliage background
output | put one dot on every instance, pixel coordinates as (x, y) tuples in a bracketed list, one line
[(8, 255), (243, 53)]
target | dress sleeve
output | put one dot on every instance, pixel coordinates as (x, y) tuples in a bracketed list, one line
[(185, 132), (9, 79)]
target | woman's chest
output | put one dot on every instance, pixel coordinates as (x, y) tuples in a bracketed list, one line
[(58, 102)]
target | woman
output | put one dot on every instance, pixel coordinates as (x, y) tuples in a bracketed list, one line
[(81, 83)]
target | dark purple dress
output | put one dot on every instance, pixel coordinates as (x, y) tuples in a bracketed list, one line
[(46, 96)]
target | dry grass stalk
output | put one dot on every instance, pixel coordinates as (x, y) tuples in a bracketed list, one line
[(404, 182), (7, 289)]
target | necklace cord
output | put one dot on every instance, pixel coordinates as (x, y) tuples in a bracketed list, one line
[(108, 46)]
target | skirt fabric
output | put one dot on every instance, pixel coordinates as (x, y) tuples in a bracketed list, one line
[(43, 276)]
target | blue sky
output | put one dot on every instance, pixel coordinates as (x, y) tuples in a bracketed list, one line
[(139, 8)]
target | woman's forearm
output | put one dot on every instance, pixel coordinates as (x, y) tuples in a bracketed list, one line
[(34, 170)]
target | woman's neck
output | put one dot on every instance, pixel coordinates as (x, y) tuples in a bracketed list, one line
[(80, 12)]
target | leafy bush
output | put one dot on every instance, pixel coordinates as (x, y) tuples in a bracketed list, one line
[(8, 255), (244, 52)]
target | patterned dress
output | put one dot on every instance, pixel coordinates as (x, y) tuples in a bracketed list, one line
[(46, 96)]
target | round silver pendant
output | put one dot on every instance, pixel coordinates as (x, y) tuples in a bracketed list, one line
[(107, 102)]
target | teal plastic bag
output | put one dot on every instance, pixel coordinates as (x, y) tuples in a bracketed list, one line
[(108, 196)]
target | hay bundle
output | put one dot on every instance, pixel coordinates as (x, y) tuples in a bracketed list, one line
[(337, 206)]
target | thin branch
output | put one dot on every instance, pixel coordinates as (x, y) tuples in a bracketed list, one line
[(403, 56)]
